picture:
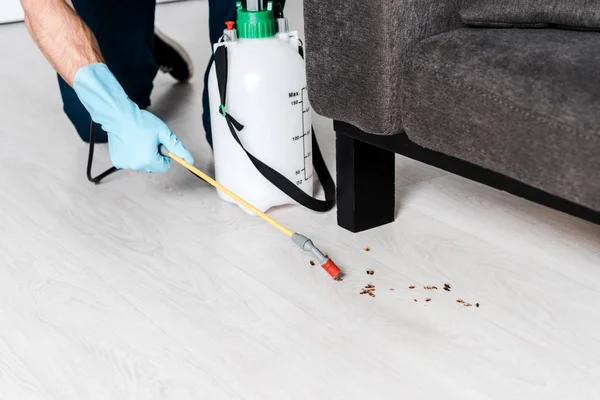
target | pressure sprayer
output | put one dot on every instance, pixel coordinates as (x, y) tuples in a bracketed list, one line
[(264, 145), (269, 159)]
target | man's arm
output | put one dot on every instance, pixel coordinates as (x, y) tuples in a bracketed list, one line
[(63, 37), (68, 43)]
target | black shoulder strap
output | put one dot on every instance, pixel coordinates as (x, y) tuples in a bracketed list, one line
[(277, 179)]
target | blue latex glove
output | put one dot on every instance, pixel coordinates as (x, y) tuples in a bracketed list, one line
[(133, 134)]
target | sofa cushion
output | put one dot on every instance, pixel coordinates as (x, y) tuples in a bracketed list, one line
[(524, 103), (578, 14), (355, 51)]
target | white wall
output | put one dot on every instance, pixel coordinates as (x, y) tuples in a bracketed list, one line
[(10, 11)]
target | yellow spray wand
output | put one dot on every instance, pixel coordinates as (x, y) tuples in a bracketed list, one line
[(300, 240)]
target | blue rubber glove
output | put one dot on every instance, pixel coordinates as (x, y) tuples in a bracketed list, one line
[(133, 134)]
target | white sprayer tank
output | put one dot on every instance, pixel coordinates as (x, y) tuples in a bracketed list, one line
[(266, 93)]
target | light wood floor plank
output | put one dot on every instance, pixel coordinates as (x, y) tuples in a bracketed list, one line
[(16, 381)]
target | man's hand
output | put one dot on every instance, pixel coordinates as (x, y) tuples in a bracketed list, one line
[(68, 43), (133, 134)]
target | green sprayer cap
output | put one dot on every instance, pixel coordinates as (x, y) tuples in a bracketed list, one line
[(255, 24)]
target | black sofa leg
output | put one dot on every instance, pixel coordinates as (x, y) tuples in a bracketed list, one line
[(365, 184)]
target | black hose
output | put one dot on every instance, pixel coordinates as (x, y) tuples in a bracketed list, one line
[(90, 161)]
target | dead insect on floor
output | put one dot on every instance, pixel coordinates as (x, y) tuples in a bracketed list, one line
[(468, 304), (477, 305), (369, 289), (428, 299), (370, 272), (411, 287), (367, 249), (428, 287), (447, 289), (312, 263), (461, 301), (415, 300), (446, 285), (338, 278)]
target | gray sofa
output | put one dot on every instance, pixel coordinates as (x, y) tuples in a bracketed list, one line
[(515, 105)]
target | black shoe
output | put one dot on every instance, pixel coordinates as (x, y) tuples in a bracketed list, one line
[(172, 58)]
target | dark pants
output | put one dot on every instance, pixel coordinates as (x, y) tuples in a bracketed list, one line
[(124, 30)]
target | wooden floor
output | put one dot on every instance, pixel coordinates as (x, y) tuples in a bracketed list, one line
[(150, 287)]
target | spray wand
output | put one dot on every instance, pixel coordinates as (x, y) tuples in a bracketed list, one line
[(300, 240)]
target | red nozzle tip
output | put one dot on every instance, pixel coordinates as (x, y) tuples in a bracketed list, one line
[(229, 25), (331, 268)]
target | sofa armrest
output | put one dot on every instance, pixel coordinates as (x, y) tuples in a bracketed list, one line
[(355, 50)]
